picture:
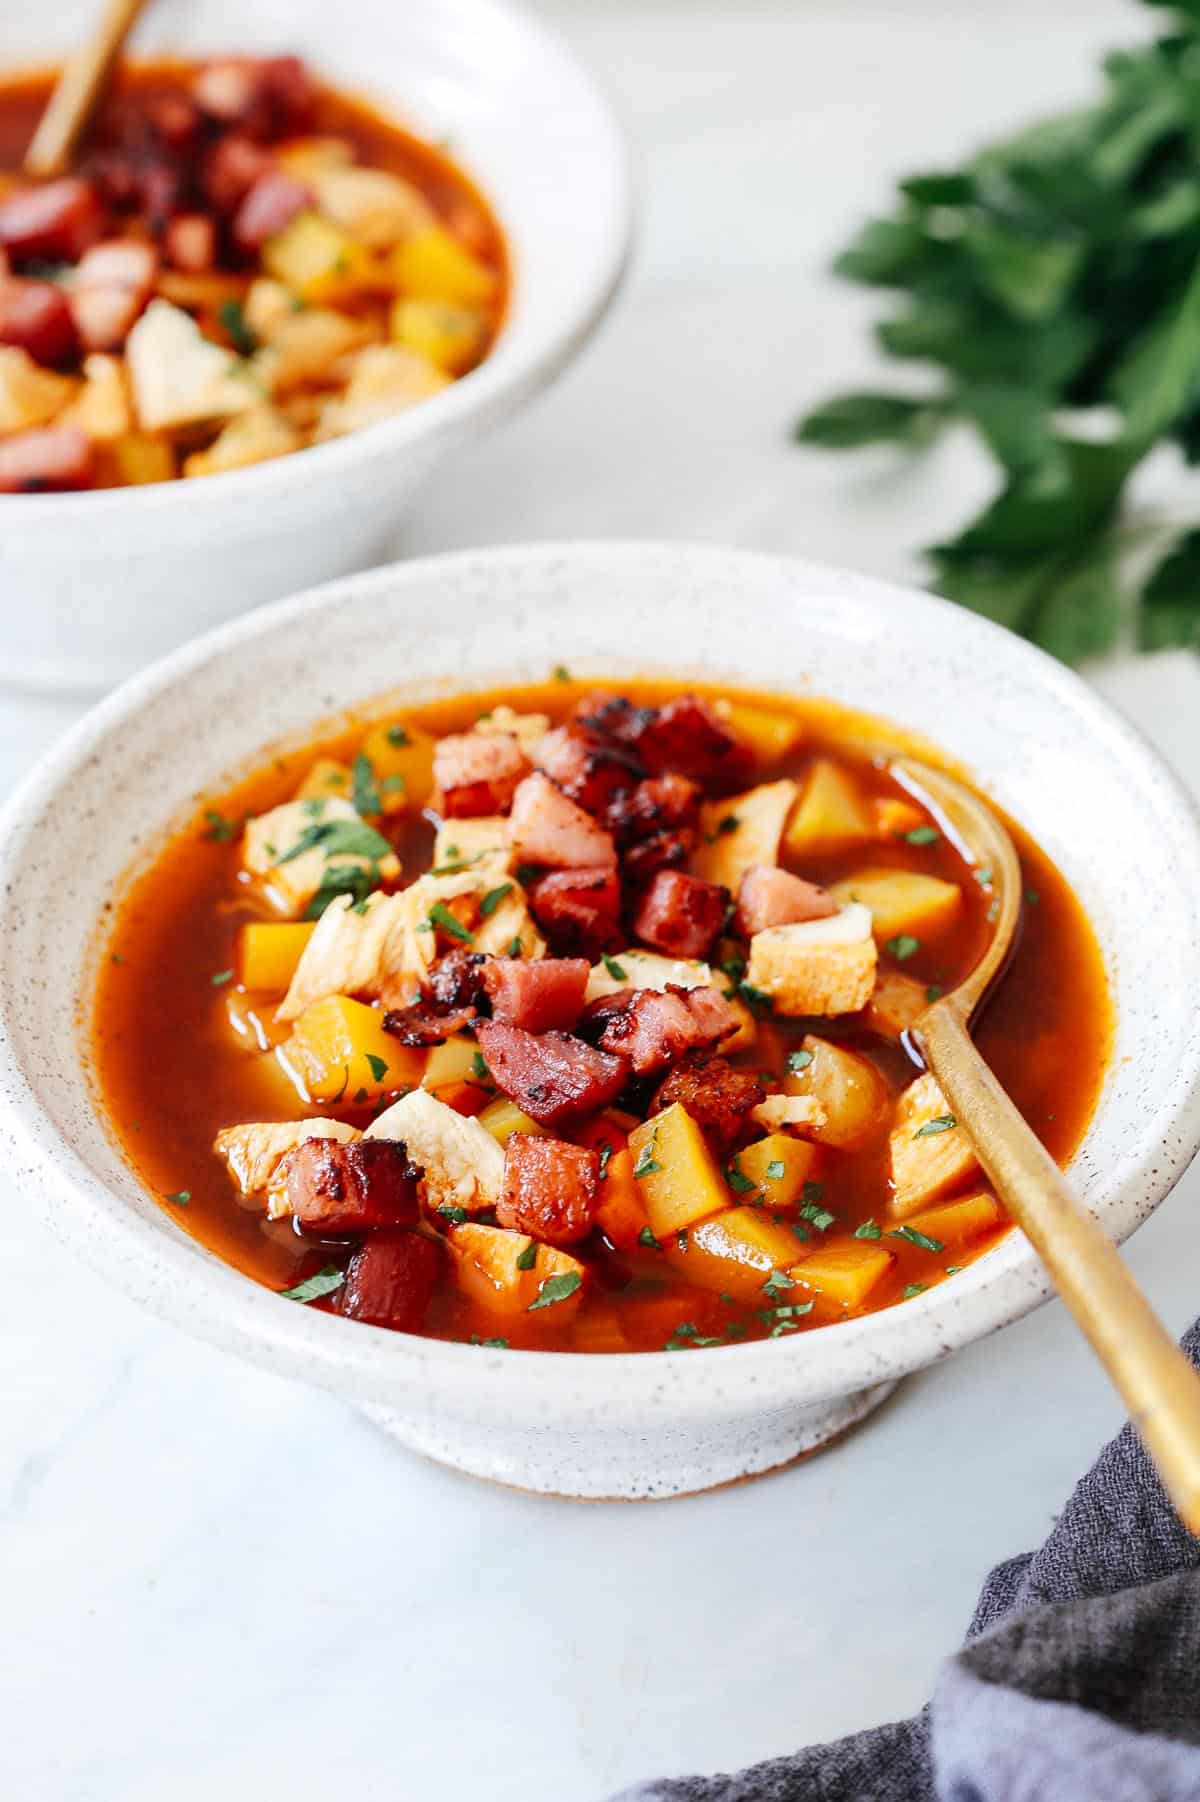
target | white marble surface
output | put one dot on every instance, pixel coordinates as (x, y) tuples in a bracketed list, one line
[(217, 1583)]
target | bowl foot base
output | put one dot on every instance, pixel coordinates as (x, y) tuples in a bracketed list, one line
[(600, 1464)]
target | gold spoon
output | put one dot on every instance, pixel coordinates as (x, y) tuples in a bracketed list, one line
[(79, 89), (1158, 1384)]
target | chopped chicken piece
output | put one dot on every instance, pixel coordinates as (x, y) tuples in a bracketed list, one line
[(178, 377), (251, 438), (930, 1152), (302, 348), (378, 208), (744, 830), (646, 970), (255, 1152), (290, 880), (475, 844), (821, 967), (353, 951), (462, 1163), (385, 379), (776, 1111)]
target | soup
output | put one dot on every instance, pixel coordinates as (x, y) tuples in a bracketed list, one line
[(573, 1020), (242, 263)]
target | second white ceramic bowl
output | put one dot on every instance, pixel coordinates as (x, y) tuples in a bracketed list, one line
[(92, 586), (1049, 751)]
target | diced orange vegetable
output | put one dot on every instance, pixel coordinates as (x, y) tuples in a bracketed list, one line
[(433, 265), (954, 1222), (902, 902), (849, 1088), (769, 734), (845, 1270), (139, 459), (268, 952), (326, 777), (894, 817), (488, 1268), (620, 1212), (463, 1097), (778, 1166), (449, 335), (679, 1178), (401, 760), (503, 1118), (340, 1051), (734, 1252), (832, 813)]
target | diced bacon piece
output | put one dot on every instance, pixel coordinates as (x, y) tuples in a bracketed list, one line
[(271, 96), (541, 996), (547, 828), (768, 896), (419, 1024), (191, 243), (477, 773), (589, 773), (268, 206), (553, 1077), (36, 318), (719, 1098), (681, 915), (659, 804), (456, 981), (49, 458), (256, 1153), (176, 121), (52, 224), (391, 1281), (685, 735), (111, 286), (231, 169), (337, 1188), (549, 1188), (653, 1027), (578, 910), (662, 851), (226, 89)]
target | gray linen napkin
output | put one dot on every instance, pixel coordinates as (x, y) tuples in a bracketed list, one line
[(1079, 1680)]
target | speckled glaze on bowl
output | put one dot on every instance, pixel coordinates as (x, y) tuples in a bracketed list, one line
[(1042, 743), (93, 586)]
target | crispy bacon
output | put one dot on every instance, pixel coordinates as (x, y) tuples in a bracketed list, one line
[(547, 828), (49, 457), (456, 981), (539, 995), (662, 851), (478, 773), (391, 1281), (681, 915), (190, 243), (35, 317), (269, 97), (659, 804), (718, 1097), (578, 910), (589, 772), (770, 897), (52, 224), (272, 202), (685, 736), (419, 1024), (652, 1028), (552, 1076), (549, 1189), (231, 169), (112, 284), (334, 1188)]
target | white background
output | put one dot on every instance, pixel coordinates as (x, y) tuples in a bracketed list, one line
[(218, 1584)]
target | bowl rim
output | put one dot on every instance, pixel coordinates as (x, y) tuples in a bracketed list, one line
[(506, 376), (177, 1278)]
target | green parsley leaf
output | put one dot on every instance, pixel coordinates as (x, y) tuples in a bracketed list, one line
[(339, 838), (912, 1237), (220, 828), (365, 791), (921, 835), (912, 1289), (313, 1287), (646, 1164), (738, 1180), (778, 1283), (799, 1060), (181, 1197), (561, 673), (528, 1258), (775, 1169), (440, 915), (1032, 896), (934, 991), (757, 1000), (378, 1066), (617, 971), (983, 875), (496, 1344), (556, 1288), (903, 946), (527, 873), (943, 1124), (491, 901), (116, 958), (233, 319), (515, 947), (479, 1069), (605, 1149), (397, 736), (453, 1214), (355, 881), (646, 1238), (393, 784), (868, 1230), (723, 828), (820, 1217), (953, 1269), (220, 977)]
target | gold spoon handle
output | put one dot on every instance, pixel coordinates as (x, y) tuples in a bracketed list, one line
[(78, 90), (1159, 1386)]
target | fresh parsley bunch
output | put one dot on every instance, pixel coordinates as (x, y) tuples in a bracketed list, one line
[(1054, 282)]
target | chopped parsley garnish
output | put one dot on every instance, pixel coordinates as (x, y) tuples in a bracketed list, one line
[(903, 946), (393, 784), (515, 947), (339, 838), (820, 1217), (605, 1149), (116, 958), (723, 827), (314, 1287), (799, 1060), (646, 1238), (491, 901), (647, 1165), (219, 827), (734, 968), (775, 1169), (365, 792), (233, 319), (180, 1197), (778, 1283), (454, 1215), (556, 1288), (868, 1230), (934, 992), (617, 971), (355, 881), (345, 1083), (528, 1258), (912, 1289), (440, 915), (1032, 896), (953, 1269), (943, 1124), (921, 835), (757, 1000), (738, 1180), (802, 1233), (396, 735), (527, 873), (496, 1344), (813, 1192), (479, 1069), (378, 1066), (911, 1236), (220, 977), (561, 673)]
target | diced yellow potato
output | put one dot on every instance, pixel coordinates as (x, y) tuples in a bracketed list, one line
[(267, 307), (769, 734), (954, 1222), (473, 844), (502, 1118), (844, 1270), (747, 1030), (896, 1001), (819, 967), (850, 1090), (894, 817), (679, 1178), (316, 260), (778, 1166), (340, 1051), (433, 265), (254, 437), (832, 814), (101, 408), (930, 1152), (385, 379), (488, 1262), (326, 777), (401, 758), (306, 157), (450, 336), (903, 903), (741, 831), (268, 952), (304, 348), (139, 459), (735, 1251), (29, 395), (378, 208), (451, 1061)]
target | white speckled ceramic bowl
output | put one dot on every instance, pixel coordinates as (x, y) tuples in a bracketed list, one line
[(1042, 743), (93, 586)]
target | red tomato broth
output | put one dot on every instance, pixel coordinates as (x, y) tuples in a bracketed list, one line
[(170, 1074)]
